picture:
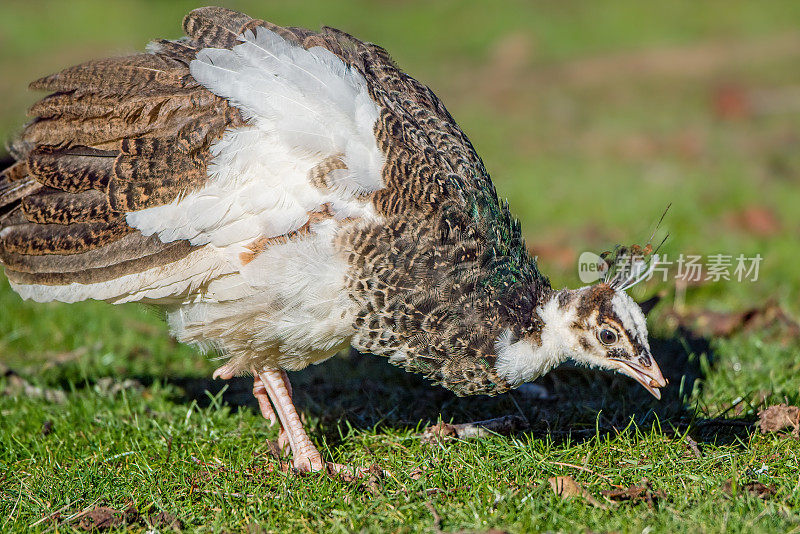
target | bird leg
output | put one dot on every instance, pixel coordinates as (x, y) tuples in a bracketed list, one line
[(272, 387), (260, 393), (273, 391), (306, 457)]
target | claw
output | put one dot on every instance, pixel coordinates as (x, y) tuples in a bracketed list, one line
[(283, 442), (223, 372)]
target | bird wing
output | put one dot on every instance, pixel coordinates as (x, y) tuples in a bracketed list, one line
[(163, 176), (143, 177)]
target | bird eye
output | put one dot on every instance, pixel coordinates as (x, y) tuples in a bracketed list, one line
[(608, 337)]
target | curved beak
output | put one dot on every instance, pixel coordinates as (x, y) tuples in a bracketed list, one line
[(647, 375)]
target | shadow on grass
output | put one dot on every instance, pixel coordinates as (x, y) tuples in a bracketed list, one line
[(366, 392)]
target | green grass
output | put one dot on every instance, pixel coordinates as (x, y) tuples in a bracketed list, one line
[(591, 117)]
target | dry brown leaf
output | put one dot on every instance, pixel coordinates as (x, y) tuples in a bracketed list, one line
[(101, 518), (756, 489), (105, 518), (779, 417), (505, 425), (642, 492), (566, 487), (439, 432)]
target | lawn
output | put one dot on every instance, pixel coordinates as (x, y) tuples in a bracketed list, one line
[(591, 117)]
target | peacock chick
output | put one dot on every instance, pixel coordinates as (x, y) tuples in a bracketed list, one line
[(282, 194)]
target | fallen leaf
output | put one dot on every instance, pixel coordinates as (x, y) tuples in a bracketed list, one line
[(439, 432), (756, 489), (642, 492), (101, 518), (566, 487), (726, 324), (505, 425), (779, 417)]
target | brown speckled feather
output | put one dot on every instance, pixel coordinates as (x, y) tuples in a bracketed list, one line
[(115, 135)]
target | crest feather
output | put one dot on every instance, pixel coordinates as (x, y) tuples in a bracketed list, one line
[(627, 265)]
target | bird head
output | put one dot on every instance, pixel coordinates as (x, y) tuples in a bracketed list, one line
[(607, 330), (597, 326)]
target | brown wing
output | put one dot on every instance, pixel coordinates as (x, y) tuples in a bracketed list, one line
[(113, 136)]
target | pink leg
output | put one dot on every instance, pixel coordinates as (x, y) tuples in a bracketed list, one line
[(306, 457), (261, 395), (273, 391)]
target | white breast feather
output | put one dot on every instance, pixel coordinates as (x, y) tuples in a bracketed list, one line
[(522, 361)]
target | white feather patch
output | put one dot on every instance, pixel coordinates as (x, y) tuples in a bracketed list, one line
[(288, 307), (167, 283), (303, 107), (521, 361)]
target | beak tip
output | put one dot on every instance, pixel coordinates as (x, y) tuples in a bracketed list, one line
[(649, 377), (662, 383)]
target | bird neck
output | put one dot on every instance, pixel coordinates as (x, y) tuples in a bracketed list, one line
[(521, 359)]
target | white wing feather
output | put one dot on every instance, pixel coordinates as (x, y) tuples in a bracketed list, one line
[(302, 107)]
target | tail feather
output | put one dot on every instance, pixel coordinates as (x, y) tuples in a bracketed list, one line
[(15, 183)]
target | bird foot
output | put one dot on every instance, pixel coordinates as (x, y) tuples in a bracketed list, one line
[(272, 390), (313, 463)]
